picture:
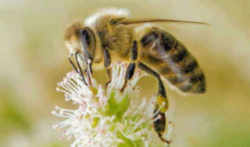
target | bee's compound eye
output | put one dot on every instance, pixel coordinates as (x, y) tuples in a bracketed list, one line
[(114, 21), (86, 36)]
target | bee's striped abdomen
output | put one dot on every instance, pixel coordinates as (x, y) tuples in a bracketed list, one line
[(172, 60)]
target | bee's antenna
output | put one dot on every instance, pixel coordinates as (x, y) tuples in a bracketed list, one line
[(131, 21)]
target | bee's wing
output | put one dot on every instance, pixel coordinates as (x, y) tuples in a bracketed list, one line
[(149, 20)]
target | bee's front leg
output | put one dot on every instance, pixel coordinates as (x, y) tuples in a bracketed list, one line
[(132, 65), (107, 65), (161, 104), (77, 68), (77, 58)]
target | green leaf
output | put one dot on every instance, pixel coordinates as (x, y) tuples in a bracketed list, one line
[(122, 107), (139, 143), (111, 106), (128, 142), (95, 122)]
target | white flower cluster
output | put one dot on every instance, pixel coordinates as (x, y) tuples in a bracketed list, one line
[(106, 117)]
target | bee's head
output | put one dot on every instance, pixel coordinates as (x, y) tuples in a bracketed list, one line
[(81, 40)]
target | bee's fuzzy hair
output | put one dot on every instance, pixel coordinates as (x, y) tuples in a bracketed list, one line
[(143, 27), (91, 20)]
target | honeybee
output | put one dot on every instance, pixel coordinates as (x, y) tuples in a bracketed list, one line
[(111, 35)]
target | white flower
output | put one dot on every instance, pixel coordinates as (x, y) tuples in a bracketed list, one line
[(106, 117)]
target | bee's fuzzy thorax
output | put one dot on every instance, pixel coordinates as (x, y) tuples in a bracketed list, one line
[(91, 20)]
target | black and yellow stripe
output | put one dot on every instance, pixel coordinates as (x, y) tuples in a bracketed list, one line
[(172, 61)]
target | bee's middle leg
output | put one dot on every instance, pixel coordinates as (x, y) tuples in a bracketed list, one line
[(161, 105), (107, 65), (132, 65)]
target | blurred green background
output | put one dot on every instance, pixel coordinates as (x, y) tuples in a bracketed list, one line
[(33, 60)]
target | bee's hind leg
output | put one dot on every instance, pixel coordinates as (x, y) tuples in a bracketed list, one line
[(161, 105)]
